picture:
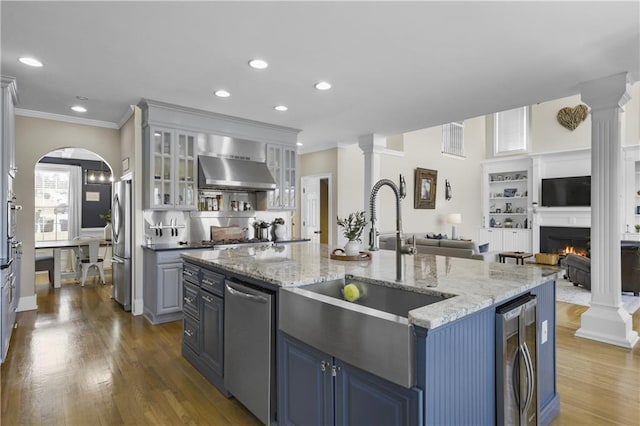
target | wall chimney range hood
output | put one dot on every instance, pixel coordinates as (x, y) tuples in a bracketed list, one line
[(231, 174)]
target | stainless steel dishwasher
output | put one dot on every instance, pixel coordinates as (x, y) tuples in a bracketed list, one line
[(249, 348)]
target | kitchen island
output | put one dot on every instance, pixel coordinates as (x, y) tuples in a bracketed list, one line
[(455, 338)]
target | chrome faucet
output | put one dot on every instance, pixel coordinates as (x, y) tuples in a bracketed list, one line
[(400, 193)]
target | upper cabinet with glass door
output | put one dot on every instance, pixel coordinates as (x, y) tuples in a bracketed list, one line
[(281, 161), (185, 182), (172, 167)]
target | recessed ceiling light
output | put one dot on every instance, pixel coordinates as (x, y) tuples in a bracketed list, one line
[(32, 62), (280, 108), (222, 94), (299, 143), (78, 108), (258, 64), (323, 85)]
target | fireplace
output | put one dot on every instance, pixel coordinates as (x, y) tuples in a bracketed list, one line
[(564, 240)]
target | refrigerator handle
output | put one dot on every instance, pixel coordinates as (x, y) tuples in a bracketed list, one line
[(515, 374), (116, 217), (530, 376)]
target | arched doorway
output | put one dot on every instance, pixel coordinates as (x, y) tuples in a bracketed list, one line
[(72, 198)]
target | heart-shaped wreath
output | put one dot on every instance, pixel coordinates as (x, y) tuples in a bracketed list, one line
[(572, 117)]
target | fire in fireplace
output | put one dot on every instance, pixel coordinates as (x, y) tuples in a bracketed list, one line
[(564, 240), (572, 250)]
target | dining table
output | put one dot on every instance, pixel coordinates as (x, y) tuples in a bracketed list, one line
[(60, 245)]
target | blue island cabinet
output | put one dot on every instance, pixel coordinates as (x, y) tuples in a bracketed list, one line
[(315, 388), (456, 366), (203, 322)]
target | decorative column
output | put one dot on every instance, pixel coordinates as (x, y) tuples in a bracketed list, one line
[(606, 320), (372, 145)]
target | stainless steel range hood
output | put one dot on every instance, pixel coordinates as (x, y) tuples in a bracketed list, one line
[(229, 173)]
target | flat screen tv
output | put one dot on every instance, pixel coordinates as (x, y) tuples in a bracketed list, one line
[(567, 192)]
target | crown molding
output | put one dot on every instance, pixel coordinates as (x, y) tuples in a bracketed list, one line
[(126, 116), (66, 118), (305, 149)]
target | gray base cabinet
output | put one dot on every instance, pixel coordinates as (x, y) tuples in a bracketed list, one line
[(162, 286), (315, 388), (203, 323)]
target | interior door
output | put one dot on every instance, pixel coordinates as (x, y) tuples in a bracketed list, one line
[(310, 209)]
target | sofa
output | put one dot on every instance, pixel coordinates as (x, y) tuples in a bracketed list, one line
[(579, 268), (441, 247)]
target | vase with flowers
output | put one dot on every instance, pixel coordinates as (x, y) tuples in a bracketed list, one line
[(352, 228)]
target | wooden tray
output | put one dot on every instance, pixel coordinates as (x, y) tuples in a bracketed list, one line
[(338, 254)]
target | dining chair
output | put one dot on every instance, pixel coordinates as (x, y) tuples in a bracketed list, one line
[(88, 256)]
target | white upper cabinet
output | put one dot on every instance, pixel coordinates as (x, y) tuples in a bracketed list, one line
[(281, 161), (9, 100), (172, 170)]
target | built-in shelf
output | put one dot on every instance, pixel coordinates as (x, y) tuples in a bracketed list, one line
[(506, 198), (223, 213), (507, 214), (507, 181)]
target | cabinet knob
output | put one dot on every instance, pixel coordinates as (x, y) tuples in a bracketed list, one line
[(334, 370), (324, 365), (188, 299), (188, 332), (207, 298)]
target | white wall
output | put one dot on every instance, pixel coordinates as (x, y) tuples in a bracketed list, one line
[(547, 135), (422, 149), (35, 137), (319, 163), (351, 196)]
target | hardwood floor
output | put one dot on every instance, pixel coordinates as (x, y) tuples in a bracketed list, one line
[(599, 384), (81, 360)]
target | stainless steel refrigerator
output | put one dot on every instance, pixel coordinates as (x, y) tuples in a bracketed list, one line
[(122, 227), (517, 362)]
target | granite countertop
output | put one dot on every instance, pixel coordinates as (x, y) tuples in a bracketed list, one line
[(473, 284)]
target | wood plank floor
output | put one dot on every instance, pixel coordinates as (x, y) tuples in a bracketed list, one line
[(81, 360)]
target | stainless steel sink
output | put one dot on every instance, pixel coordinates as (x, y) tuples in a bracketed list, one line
[(372, 333), (386, 299)]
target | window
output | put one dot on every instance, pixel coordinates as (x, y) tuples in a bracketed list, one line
[(57, 202), (453, 139), (511, 131)]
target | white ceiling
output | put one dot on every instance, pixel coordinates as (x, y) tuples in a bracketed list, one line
[(394, 67)]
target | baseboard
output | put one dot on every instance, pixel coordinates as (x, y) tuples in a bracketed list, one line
[(138, 307), (27, 303), (550, 411)]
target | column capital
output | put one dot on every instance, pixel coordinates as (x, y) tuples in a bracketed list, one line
[(607, 92), (372, 143)]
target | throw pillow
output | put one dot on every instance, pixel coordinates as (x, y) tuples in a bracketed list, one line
[(483, 248), (433, 236)]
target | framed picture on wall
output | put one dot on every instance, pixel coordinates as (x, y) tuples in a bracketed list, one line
[(425, 189)]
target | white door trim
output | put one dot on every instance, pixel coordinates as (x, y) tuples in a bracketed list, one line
[(330, 211)]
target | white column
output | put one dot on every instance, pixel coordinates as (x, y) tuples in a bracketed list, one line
[(606, 320), (372, 145)]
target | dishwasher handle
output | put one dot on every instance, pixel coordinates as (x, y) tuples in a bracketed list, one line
[(234, 292)]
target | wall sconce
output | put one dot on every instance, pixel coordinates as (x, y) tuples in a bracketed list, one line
[(447, 190)]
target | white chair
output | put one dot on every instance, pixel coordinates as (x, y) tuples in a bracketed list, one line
[(88, 256)]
